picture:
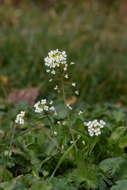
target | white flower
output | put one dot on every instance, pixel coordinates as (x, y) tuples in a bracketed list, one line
[(58, 122), (56, 87), (73, 84), (94, 127), (20, 118), (66, 76), (55, 132), (43, 101), (46, 108), (7, 153), (65, 68), (47, 70), (80, 112), (51, 102), (38, 107), (53, 72), (72, 63), (50, 80), (77, 92), (83, 142), (55, 58), (71, 142), (64, 123), (68, 106), (52, 108)]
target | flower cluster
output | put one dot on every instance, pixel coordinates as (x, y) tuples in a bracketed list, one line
[(55, 59), (68, 106), (94, 127), (43, 106), (20, 118)]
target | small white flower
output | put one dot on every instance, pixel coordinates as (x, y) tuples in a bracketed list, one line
[(83, 142), (65, 68), (58, 122), (72, 63), (55, 133), (77, 92), (94, 127), (71, 142), (66, 76), (55, 58), (46, 108), (43, 101), (50, 80), (48, 71), (64, 123), (80, 112), (56, 87), (62, 147), (20, 118), (74, 84), (52, 108), (7, 153), (68, 106), (53, 72), (51, 102)]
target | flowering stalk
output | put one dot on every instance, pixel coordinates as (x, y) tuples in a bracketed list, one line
[(56, 61)]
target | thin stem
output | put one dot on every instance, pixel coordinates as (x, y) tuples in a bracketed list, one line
[(68, 116)]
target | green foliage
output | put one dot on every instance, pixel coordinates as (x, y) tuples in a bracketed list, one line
[(34, 158), (122, 184), (56, 152)]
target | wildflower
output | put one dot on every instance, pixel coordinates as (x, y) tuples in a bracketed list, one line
[(52, 108), (46, 108), (56, 87), (66, 76), (7, 153), (65, 68), (55, 132), (62, 147), (71, 142), (55, 58), (64, 123), (50, 80), (53, 72), (73, 84), (77, 92), (94, 127), (72, 63), (68, 106), (43, 106), (51, 102), (83, 142), (20, 118), (80, 112), (58, 122), (47, 70)]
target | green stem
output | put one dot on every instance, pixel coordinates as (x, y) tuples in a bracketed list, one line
[(68, 116)]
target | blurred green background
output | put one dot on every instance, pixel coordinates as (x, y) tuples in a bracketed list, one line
[(94, 34)]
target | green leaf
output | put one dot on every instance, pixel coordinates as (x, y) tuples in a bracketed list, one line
[(123, 142), (111, 166), (41, 185), (61, 112), (5, 175), (120, 185), (117, 133)]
